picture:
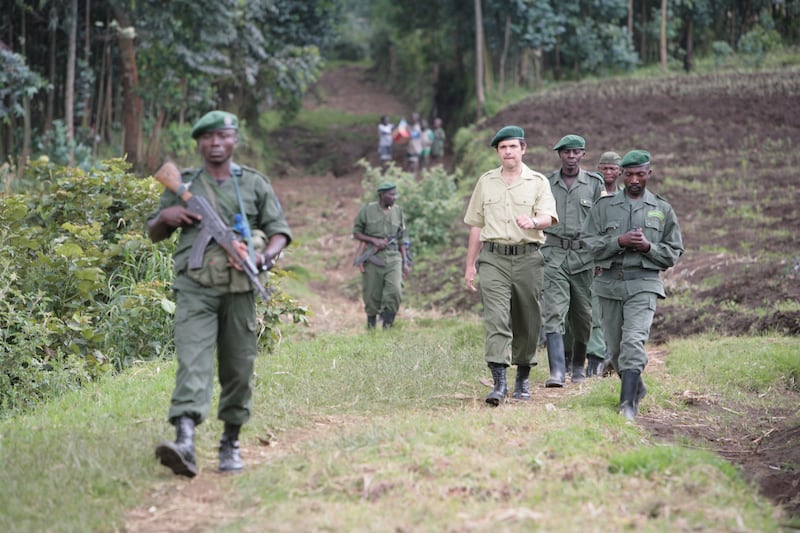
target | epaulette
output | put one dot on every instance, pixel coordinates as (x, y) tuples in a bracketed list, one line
[(257, 173), (594, 174)]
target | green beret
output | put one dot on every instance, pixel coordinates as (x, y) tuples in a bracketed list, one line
[(570, 141), (386, 186), (609, 158), (507, 132), (215, 120), (635, 158)]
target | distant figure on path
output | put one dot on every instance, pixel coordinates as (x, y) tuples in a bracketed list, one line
[(385, 141)]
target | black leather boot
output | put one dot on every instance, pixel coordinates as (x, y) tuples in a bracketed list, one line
[(500, 390), (178, 456), (522, 386), (578, 360), (555, 357), (372, 320), (230, 459), (627, 396), (388, 319)]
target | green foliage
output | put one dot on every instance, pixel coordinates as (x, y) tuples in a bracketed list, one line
[(430, 203), (17, 82), (55, 146), (85, 292), (721, 52), (472, 153), (758, 42)]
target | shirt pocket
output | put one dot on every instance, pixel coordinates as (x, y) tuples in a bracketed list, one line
[(523, 205), (653, 228), (611, 227), (493, 207)]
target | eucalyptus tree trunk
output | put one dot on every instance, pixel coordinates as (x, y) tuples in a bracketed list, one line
[(663, 40), (69, 89), (479, 59), (504, 55), (133, 106)]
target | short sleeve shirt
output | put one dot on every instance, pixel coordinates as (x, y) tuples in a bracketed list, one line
[(494, 206)]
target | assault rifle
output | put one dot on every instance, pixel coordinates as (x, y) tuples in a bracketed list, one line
[(369, 253), (211, 227)]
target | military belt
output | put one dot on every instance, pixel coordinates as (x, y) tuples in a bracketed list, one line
[(626, 274), (512, 249), (566, 244)]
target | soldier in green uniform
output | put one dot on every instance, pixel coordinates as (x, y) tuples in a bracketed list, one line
[(632, 236), (381, 226), (608, 166), (215, 303), (509, 207), (568, 265)]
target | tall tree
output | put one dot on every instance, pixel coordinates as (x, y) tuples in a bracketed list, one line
[(663, 36), (69, 90), (480, 97)]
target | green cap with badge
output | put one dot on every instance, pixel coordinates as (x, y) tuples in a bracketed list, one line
[(386, 186), (507, 132), (215, 120), (568, 142), (635, 158)]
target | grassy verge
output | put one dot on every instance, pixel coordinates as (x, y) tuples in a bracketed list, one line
[(389, 431)]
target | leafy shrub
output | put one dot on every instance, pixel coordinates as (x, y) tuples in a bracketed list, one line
[(722, 51), (759, 41), (84, 291), (430, 203)]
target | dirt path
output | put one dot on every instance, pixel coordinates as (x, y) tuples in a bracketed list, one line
[(336, 307)]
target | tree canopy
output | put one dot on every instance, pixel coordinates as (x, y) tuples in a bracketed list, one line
[(115, 73)]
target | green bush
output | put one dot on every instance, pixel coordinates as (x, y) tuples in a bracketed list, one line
[(84, 291), (430, 203)]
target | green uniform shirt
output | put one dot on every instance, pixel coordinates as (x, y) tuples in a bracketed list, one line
[(615, 215), (374, 221), (572, 205), (264, 211)]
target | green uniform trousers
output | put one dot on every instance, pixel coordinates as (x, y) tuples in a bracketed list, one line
[(626, 325), (510, 286), (567, 298), (382, 286), (209, 322), (597, 343)]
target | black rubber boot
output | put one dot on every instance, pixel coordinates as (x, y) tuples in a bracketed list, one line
[(567, 361), (230, 459), (593, 364), (641, 392), (606, 368), (500, 390), (372, 320), (578, 360), (555, 357), (627, 396), (178, 456), (388, 319), (522, 386)]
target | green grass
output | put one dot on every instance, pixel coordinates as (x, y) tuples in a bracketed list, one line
[(388, 430)]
